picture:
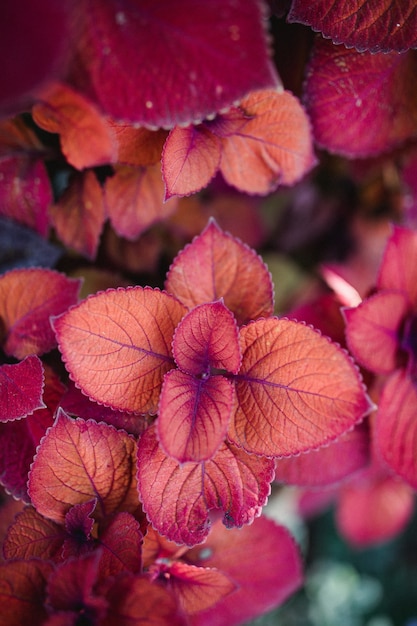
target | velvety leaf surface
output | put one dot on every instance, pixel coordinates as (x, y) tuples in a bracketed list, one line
[(216, 265), (194, 415), (32, 535), (198, 588), (370, 90), (263, 547), (373, 508), (22, 589), (396, 426), (118, 42), (190, 159), (80, 460), (178, 498), (17, 449), (398, 268), (375, 25), (138, 146), (28, 297), (79, 214), (273, 148), (207, 337), (117, 345), (121, 544), (21, 388), (136, 600), (329, 464), (296, 390), (86, 139), (373, 330), (135, 200)]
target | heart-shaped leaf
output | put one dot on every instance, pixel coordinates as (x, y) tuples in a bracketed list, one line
[(21, 388), (374, 25), (178, 498), (117, 345), (78, 461), (117, 42), (216, 265), (296, 390), (345, 85), (194, 415), (28, 298)]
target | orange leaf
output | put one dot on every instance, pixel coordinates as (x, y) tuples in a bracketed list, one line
[(138, 146)]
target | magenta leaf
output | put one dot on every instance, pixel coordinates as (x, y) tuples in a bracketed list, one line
[(374, 25), (21, 388), (120, 545), (22, 592), (194, 415), (28, 298), (118, 44), (344, 84), (178, 498), (296, 390), (398, 268), (79, 525), (17, 450), (117, 345)]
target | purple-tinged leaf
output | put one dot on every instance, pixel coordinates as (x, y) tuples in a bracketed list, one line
[(398, 268), (179, 499), (296, 390), (79, 524), (120, 544), (216, 265), (207, 338), (22, 592), (117, 44), (17, 449), (369, 91), (21, 388), (28, 298), (32, 535), (78, 461), (374, 25), (194, 415), (117, 345)]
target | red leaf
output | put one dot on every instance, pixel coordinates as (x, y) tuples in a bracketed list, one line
[(79, 214), (207, 338), (118, 43), (79, 525), (178, 498), (263, 547), (32, 535), (346, 85), (194, 415), (78, 461), (373, 330), (86, 138), (327, 465), (21, 388), (374, 25), (135, 200), (216, 265), (121, 546), (22, 592), (296, 390), (190, 159), (198, 588), (273, 148), (16, 454), (123, 337), (398, 268), (28, 298), (396, 425)]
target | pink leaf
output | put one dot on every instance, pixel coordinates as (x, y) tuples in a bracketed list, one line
[(374, 25), (396, 425), (178, 498), (194, 415), (263, 547), (78, 461), (117, 345), (118, 46), (296, 390), (22, 592), (398, 268), (216, 265), (190, 159), (135, 200), (28, 298), (347, 85), (21, 388), (207, 338), (198, 588)]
